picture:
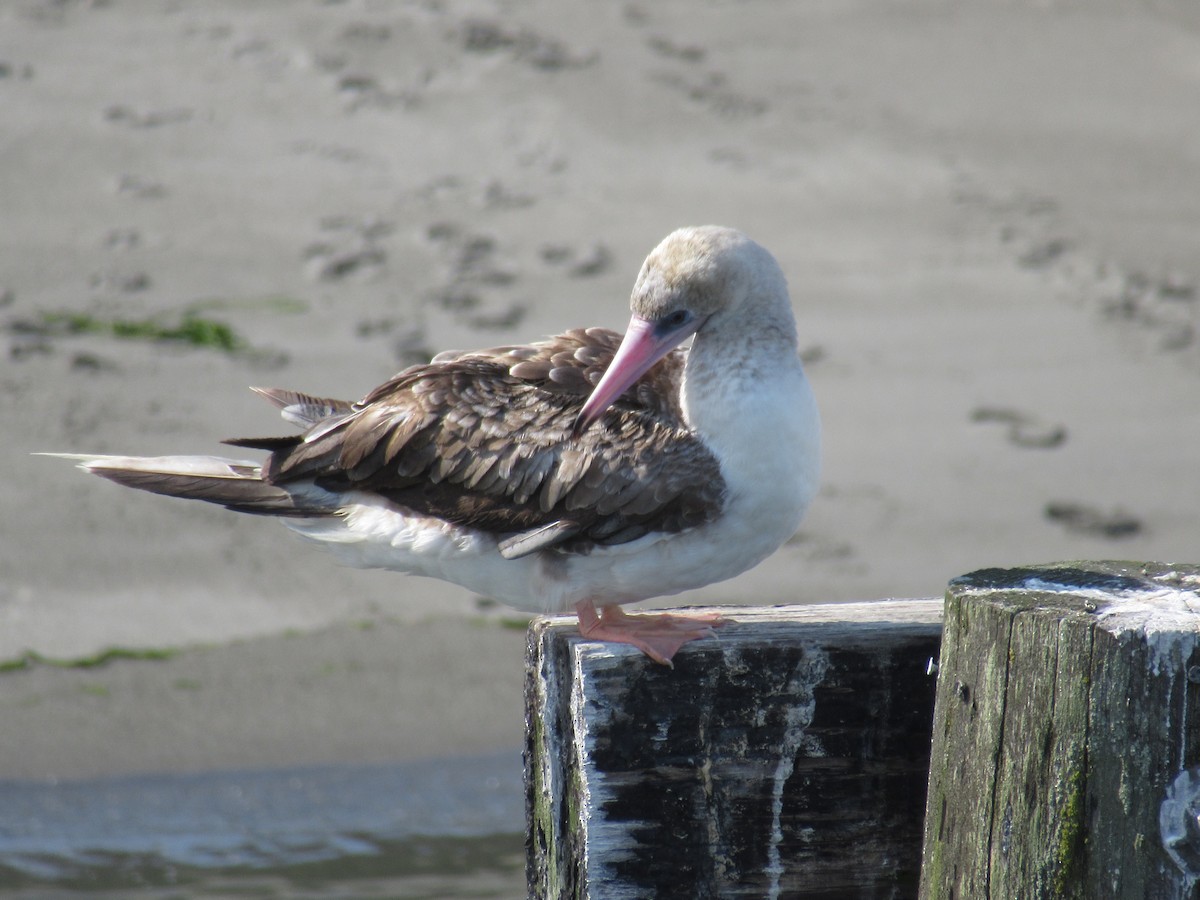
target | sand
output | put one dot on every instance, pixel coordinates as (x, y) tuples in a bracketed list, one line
[(988, 214)]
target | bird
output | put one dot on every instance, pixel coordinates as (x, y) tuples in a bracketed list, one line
[(582, 472)]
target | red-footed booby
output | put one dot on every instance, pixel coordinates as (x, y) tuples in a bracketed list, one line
[(582, 472)]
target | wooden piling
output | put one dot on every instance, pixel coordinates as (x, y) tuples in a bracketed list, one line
[(786, 757), (1065, 734)]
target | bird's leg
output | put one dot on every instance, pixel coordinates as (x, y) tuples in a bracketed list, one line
[(658, 635)]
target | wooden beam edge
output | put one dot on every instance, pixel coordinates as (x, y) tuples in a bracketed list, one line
[(767, 623)]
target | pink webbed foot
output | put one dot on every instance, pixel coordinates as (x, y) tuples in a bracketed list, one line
[(658, 635)]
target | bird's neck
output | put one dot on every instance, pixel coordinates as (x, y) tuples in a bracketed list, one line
[(745, 394), (729, 364)]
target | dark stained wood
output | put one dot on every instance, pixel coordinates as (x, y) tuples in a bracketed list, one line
[(785, 758), (1065, 711)]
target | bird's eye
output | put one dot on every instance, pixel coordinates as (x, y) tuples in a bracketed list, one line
[(677, 319)]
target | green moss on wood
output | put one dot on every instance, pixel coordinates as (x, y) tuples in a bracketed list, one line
[(1069, 854)]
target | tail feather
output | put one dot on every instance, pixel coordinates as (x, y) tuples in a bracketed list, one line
[(234, 484), (304, 410)]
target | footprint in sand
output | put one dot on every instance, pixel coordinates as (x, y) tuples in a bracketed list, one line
[(154, 118), (541, 52), (118, 281), (1023, 429), (330, 263), (410, 343), (713, 91), (596, 260), (122, 239), (140, 187), (350, 249), (667, 48), (1085, 519), (475, 264), (1166, 305)]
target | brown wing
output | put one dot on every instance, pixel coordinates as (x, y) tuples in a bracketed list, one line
[(484, 439), (573, 364)]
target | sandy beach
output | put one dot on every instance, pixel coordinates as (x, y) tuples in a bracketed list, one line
[(988, 215)]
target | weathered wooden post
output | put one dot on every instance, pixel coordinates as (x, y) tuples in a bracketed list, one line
[(785, 758), (1065, 735)]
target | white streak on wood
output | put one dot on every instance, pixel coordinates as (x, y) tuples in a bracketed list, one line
[(605, 842), (1164, 612), (1176, 822), (809, 673), (1167, 620)]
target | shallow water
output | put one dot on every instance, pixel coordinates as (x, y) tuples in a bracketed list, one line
[(438, 829)]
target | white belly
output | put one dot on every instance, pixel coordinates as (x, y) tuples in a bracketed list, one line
[(373, 533)]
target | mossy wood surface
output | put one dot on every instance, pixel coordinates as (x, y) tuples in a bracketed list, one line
[(1064, 712), (785, 758)]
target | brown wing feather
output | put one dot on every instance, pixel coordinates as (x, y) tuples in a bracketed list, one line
[(484, 439)]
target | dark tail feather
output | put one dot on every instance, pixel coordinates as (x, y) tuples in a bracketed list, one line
[(268, 443), (234, 484)]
